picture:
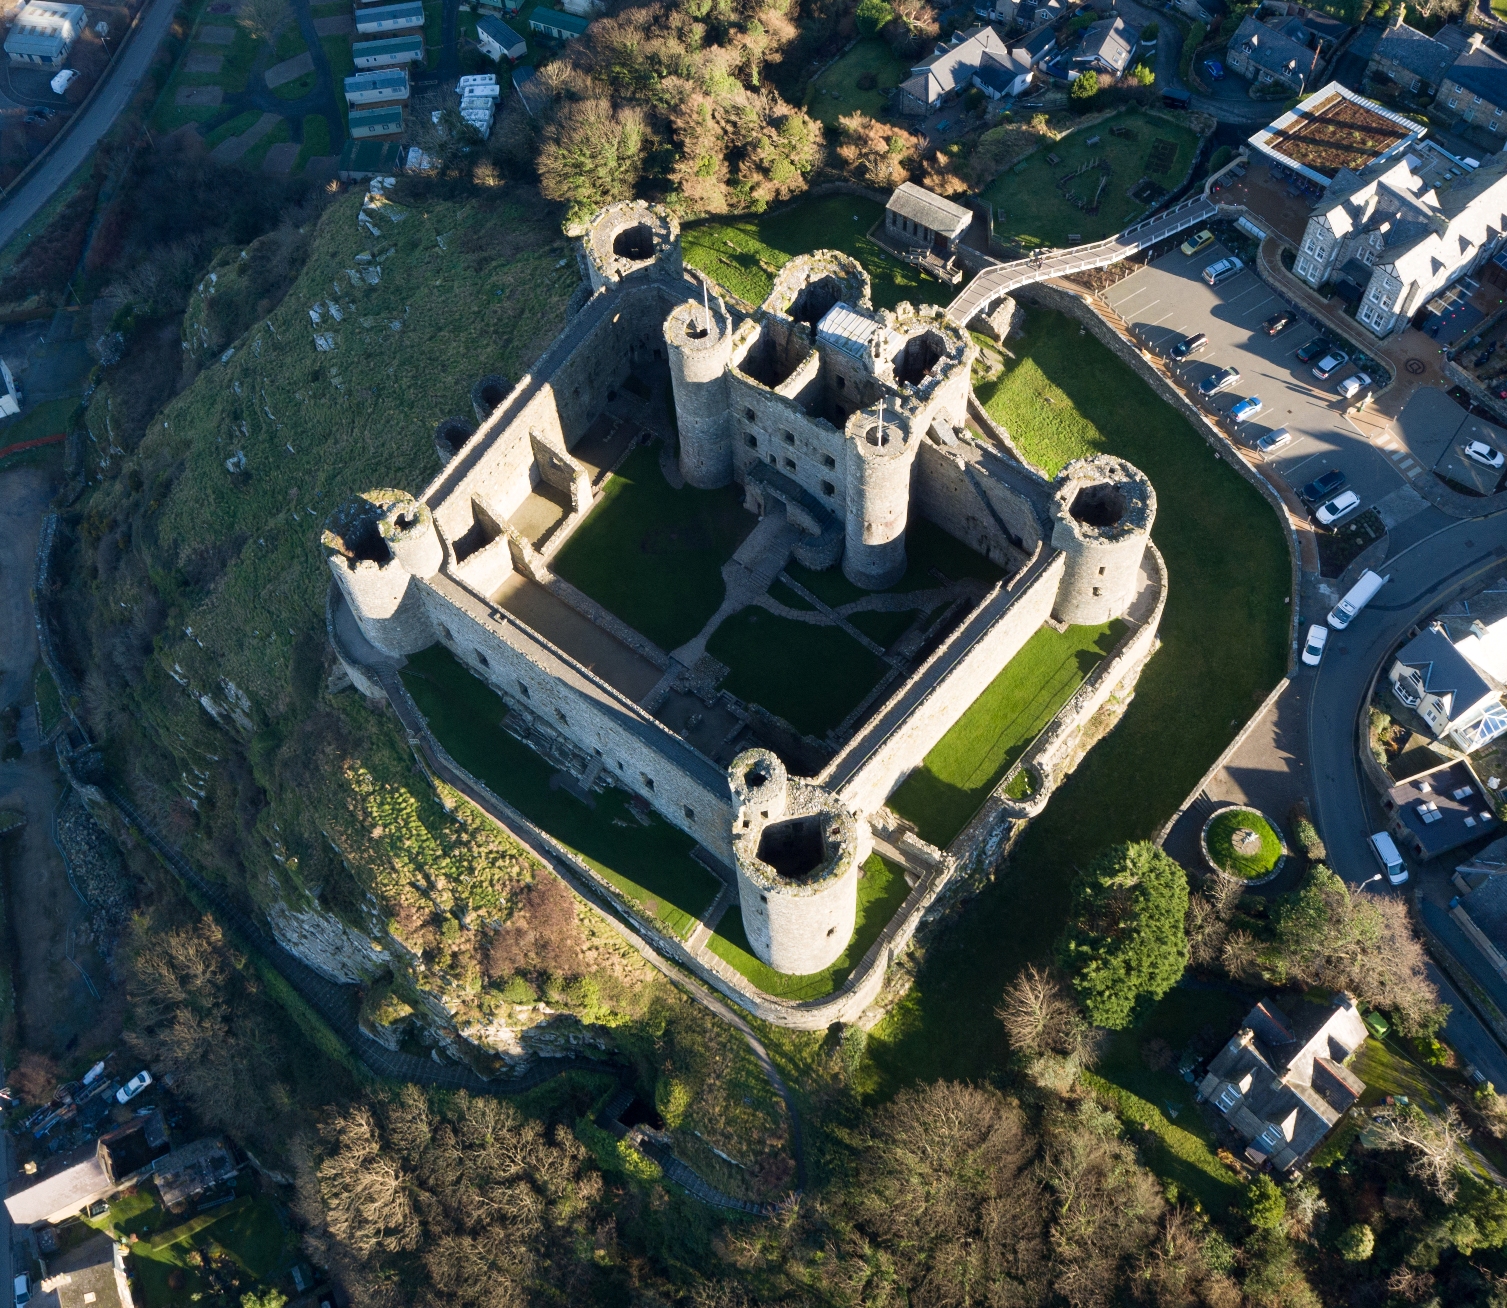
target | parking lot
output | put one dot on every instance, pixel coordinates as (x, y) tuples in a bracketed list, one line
[(1169, 300)]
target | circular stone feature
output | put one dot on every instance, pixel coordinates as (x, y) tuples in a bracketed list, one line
[(1242, 843)]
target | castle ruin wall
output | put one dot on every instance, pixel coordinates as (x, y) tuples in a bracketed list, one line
[(946, 495)]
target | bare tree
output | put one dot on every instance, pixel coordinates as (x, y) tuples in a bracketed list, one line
[(1434, 1144), (1038, 1015), (262, 18), (878, 154)]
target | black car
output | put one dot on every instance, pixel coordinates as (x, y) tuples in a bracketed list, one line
[(1188, 345), (1314, 348), (1323, 486), (1279, 322)]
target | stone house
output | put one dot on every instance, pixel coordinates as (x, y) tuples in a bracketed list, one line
[(1281, 1082), (916, 217), (1272, 55), (952, 67), (1457, 700), (1107, 48), (1474, 89), (43, 32), (1417, 63)]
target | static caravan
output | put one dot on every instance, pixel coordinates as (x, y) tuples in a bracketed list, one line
[(392, 52), (368, 90), (557, 23), (376, 122), (497, 40), (390, 18)]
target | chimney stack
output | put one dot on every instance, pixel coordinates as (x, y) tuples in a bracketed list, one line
[(1477, 39)]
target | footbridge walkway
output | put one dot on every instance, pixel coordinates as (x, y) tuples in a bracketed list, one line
[(986, 290)]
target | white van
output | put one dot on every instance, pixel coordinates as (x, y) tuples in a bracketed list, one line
[(1385, 849), (1356, 599)]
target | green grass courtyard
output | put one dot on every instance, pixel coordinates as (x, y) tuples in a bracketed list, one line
[(837, 91), (1031, 204), (956, 777)]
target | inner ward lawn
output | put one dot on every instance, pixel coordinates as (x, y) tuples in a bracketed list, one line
[(1224, 645), (881, 891), (836, 92), (942, 794), (743, 254), (932, 558), (651, 865), (811, 676), (652, 554), (1031, 209)]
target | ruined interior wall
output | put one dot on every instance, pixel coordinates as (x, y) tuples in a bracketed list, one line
[(945, 495), (772, 429)]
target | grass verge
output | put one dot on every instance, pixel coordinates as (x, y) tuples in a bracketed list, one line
[(881, 891), (811, 676), (836, 92), (652, 554), (316, 140), (965, 765), (648, 861), (1246, 863), (49, 700), (743, 254)]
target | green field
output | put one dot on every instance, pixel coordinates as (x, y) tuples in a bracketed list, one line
[(650, 864), (965, 765), (1031, 210), (881, 891), (743, 254), (1224, 645), (652, 554), (836, 92), (811, 676)]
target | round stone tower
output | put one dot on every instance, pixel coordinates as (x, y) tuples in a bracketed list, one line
[(797, 852), (810, 284), (879, 457), (699, 342), (631, 237), (376, 544), (1102, 511)]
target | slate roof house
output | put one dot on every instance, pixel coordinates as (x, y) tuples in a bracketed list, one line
[(953, 66), (1411, 60), (1107, 48), (66, 1186), (916, 217), (1270, 55), (1474, 90), (1281, 1081), (1440, 810), (1447, 690)]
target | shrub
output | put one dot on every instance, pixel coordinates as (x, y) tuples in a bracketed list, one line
[(867, 81), (1306, 834), (1085, 88), (872, 15), (973, 100), (1148, 33), (1356, 1243), (1191, 42), (1142, 75), (1263, 1204)]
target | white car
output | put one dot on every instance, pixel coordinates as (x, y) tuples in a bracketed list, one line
[(133, 1087), (23, 1290), (63, 80), (1356, 381), (1329, 363), (1337, 508), (1483, 453), (1313, 647), (1274, 441)]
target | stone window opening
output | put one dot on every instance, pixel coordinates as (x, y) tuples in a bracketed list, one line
[(828, 488), (753, 441), (564, 722), (749, 414), (790, 464), (842, 413), (446, 630), (828, 461), (481, 658), (789, 437), (1101, 572), (773, 462), (831, 930), (690, 813), (842, 384), (523, 690), (1098, 590), (763, 899), (647, 780)]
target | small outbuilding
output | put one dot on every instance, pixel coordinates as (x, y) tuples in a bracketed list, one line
[(916, 217), (187, 1173), (43, 32), (498, 41)]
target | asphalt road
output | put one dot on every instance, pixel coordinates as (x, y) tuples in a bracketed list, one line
[(1169, 299), (122, 81)]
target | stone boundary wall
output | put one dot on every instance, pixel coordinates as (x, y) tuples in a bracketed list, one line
[(1120, 670), (1474, 389), (1077, 304)]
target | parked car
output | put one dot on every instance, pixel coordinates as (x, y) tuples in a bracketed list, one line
[(1279, 322), (63, 80), (1385, 849), (1353, 385), (1331, 511), (1223, 270), (1309, 352), (1215, 70), (1219, 381), (1274, 441), (1313, 647), (133, 1087), (1198, 241), (1330, 364), (23, 1289), (1323, 486), (1246, 409), (1484, 454), (1188, 345)]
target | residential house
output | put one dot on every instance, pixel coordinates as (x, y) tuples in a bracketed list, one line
[(1272, 55), (43, 32), (557, 23), (1281, 1082), (952, 67), (376, 122), (383, 86), (1474, 90), (1036, 46), (915, 217), (1401, 239), (89, 1275), (390, 18), (187, 1173), (64, 1187), (498, 41), (1457, 700), (1107, 48), (1408, 59), (391, 52), (1440, 809)]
